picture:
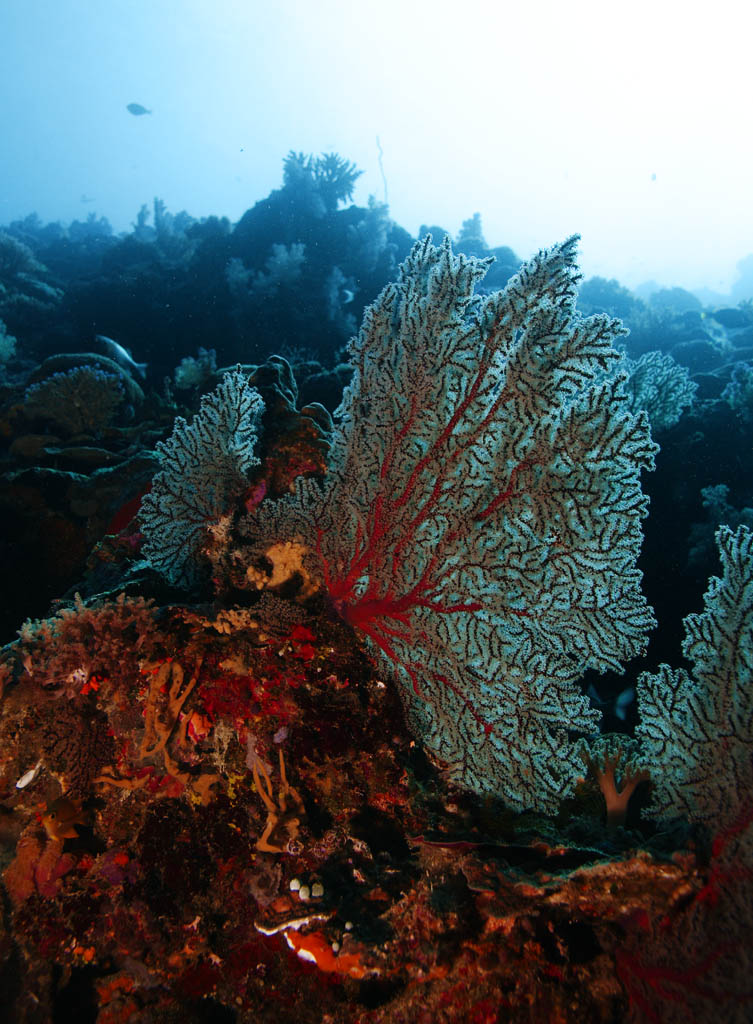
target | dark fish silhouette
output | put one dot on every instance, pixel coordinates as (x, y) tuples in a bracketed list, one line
[(115, 351), (617, 706), (136, 109)]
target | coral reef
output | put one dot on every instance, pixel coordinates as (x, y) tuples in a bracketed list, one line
[(255, 835), (213, 805)]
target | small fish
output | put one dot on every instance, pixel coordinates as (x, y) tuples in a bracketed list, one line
[(61, 818), (623, 701), (136, 109), (618, 706), (120, 355)]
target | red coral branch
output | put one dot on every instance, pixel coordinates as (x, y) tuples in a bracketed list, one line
[(378, 611)]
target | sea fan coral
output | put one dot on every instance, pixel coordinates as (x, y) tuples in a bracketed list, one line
[(480, 520)]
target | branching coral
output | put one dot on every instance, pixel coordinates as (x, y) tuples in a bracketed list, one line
[(284, 813), (610, 756), (81, 642), (166, 723)]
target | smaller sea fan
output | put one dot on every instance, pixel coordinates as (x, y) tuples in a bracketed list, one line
[(204, 470)]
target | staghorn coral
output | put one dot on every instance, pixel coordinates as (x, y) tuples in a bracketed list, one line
[(480, 521)]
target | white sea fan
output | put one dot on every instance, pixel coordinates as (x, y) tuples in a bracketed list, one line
[(205, 467), (480, 521)]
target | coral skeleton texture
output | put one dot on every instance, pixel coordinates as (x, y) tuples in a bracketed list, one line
[(480, 520)]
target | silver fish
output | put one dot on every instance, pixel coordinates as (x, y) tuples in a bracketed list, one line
[(120, 355), (617, 706)]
